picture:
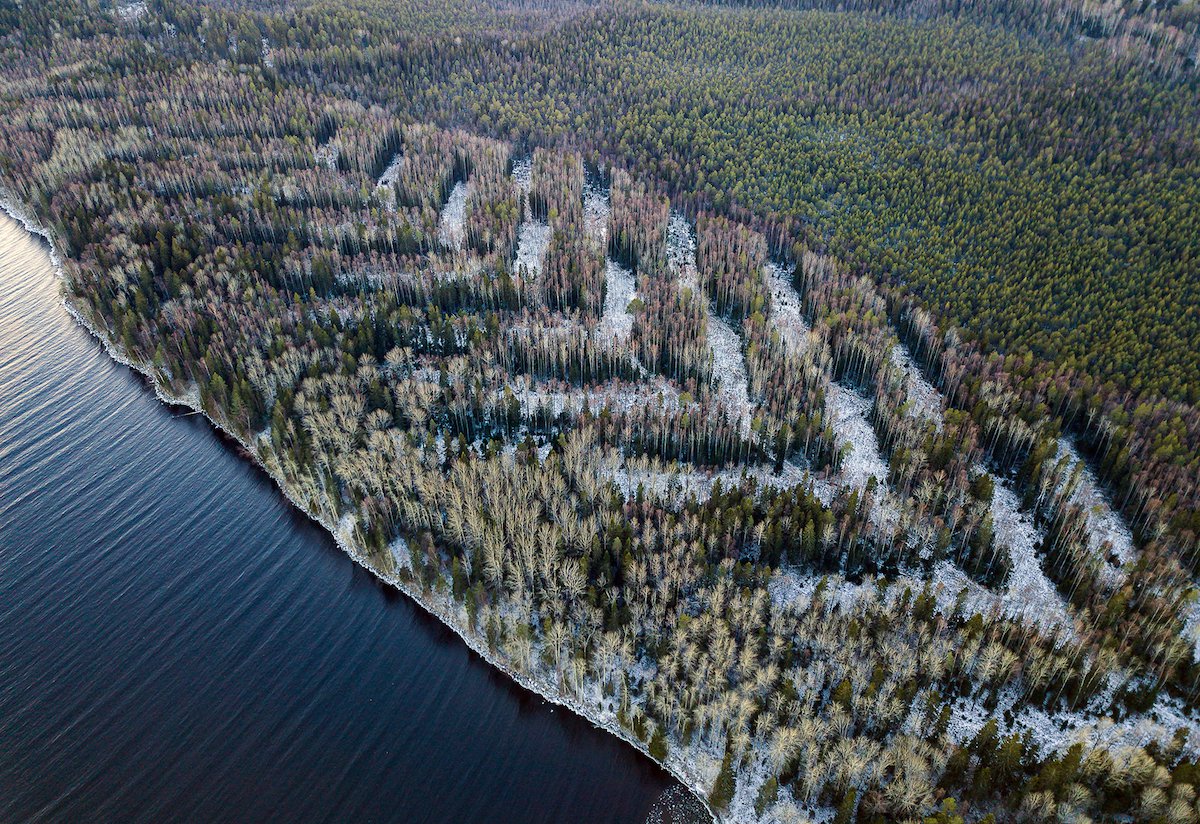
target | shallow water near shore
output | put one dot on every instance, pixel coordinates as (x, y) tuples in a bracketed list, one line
[(177, 643)]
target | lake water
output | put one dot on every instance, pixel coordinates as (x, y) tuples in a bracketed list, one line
[(177, 643)]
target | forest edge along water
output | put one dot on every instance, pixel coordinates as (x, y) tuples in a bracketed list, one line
[(177, 642)]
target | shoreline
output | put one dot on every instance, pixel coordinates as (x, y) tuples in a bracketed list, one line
[(444, 610)]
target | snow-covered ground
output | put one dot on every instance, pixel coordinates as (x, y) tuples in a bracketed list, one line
[(793, 590), (458, 271), (522, 174), (533, 236), (924, 401), (1028, 592), (533, 239), (1042, 610), (131, 12), (787, 310), (681, 251), (387, 182), (849, 411), (452, 224), (1055, 732), (401, 554), (616, 324), (551, 324), (851, 425), (749, 779), (729, 367), (729, 371), (1159, 724), (392, 173), (673, 486), (327, 155), (596, 210), (658, 393), (1191, 628), (1105, 526)]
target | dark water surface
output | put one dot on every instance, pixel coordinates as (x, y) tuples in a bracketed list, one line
[(176, 643)]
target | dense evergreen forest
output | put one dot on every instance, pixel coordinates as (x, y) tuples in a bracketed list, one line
[(806, 392)]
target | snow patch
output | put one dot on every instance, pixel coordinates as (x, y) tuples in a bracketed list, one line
[(132, 12), (452, 224), (1028, 592), (616, 324), (392, 173), (327, 155), (1055, 732), (863, 460), (729, 371), (533, 239), (793, 590), (401, 554), (948, 581), (1105, 526), (617, 395), (1191, 628), (729, 367), (787, 310), (522, 175), (852, 427), (924, 401), (671, 485), (681, 251), (596, 210), (386, 184), (750, 778)]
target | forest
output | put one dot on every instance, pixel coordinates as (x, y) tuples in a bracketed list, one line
[(805, 393)]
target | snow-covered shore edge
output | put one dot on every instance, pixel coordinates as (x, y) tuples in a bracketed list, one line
[(441, 608)]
